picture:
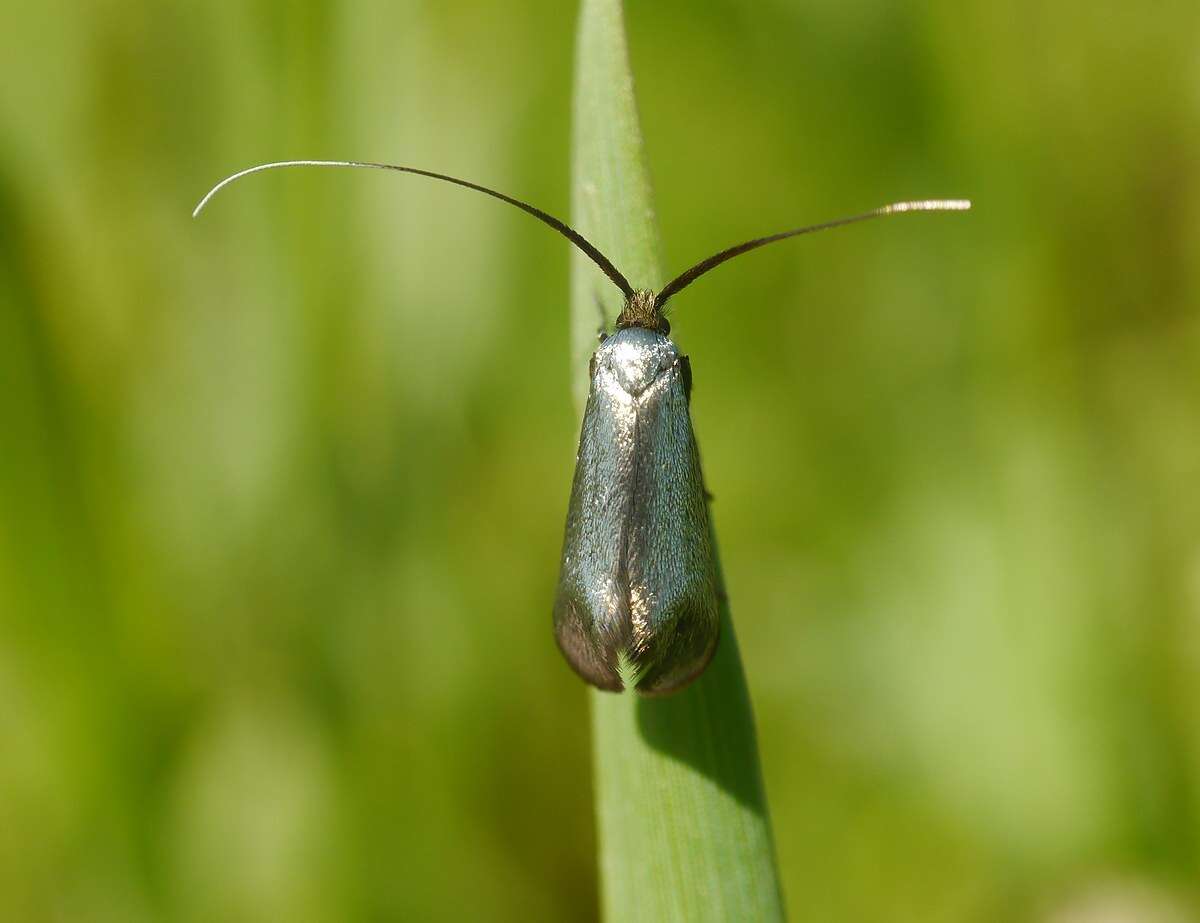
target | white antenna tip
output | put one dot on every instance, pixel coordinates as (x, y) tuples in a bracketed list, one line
[(275, 165), (928, 205)]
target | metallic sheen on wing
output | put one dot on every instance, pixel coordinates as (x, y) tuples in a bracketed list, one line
[(637, 571)]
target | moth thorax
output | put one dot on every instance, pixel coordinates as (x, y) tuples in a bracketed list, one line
[(641, 311)]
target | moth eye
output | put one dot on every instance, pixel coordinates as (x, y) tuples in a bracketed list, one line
[(664, 326)]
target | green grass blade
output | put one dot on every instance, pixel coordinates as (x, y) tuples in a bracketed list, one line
[(684, 832)]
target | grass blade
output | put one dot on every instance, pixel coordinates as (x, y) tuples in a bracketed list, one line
[(682, 818)]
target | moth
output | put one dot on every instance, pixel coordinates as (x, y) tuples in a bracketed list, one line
[(637, 599)]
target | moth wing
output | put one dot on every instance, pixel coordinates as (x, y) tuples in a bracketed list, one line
[(591, 620), (669, 562)]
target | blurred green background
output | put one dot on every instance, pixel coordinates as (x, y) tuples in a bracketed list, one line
[(282, 490)]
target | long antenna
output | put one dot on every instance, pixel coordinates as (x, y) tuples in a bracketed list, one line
[(685, 279), (564, 229)]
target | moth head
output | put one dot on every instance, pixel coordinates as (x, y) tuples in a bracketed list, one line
[(642, 310)]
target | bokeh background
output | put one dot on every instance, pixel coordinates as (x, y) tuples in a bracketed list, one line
[(282, 490)]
